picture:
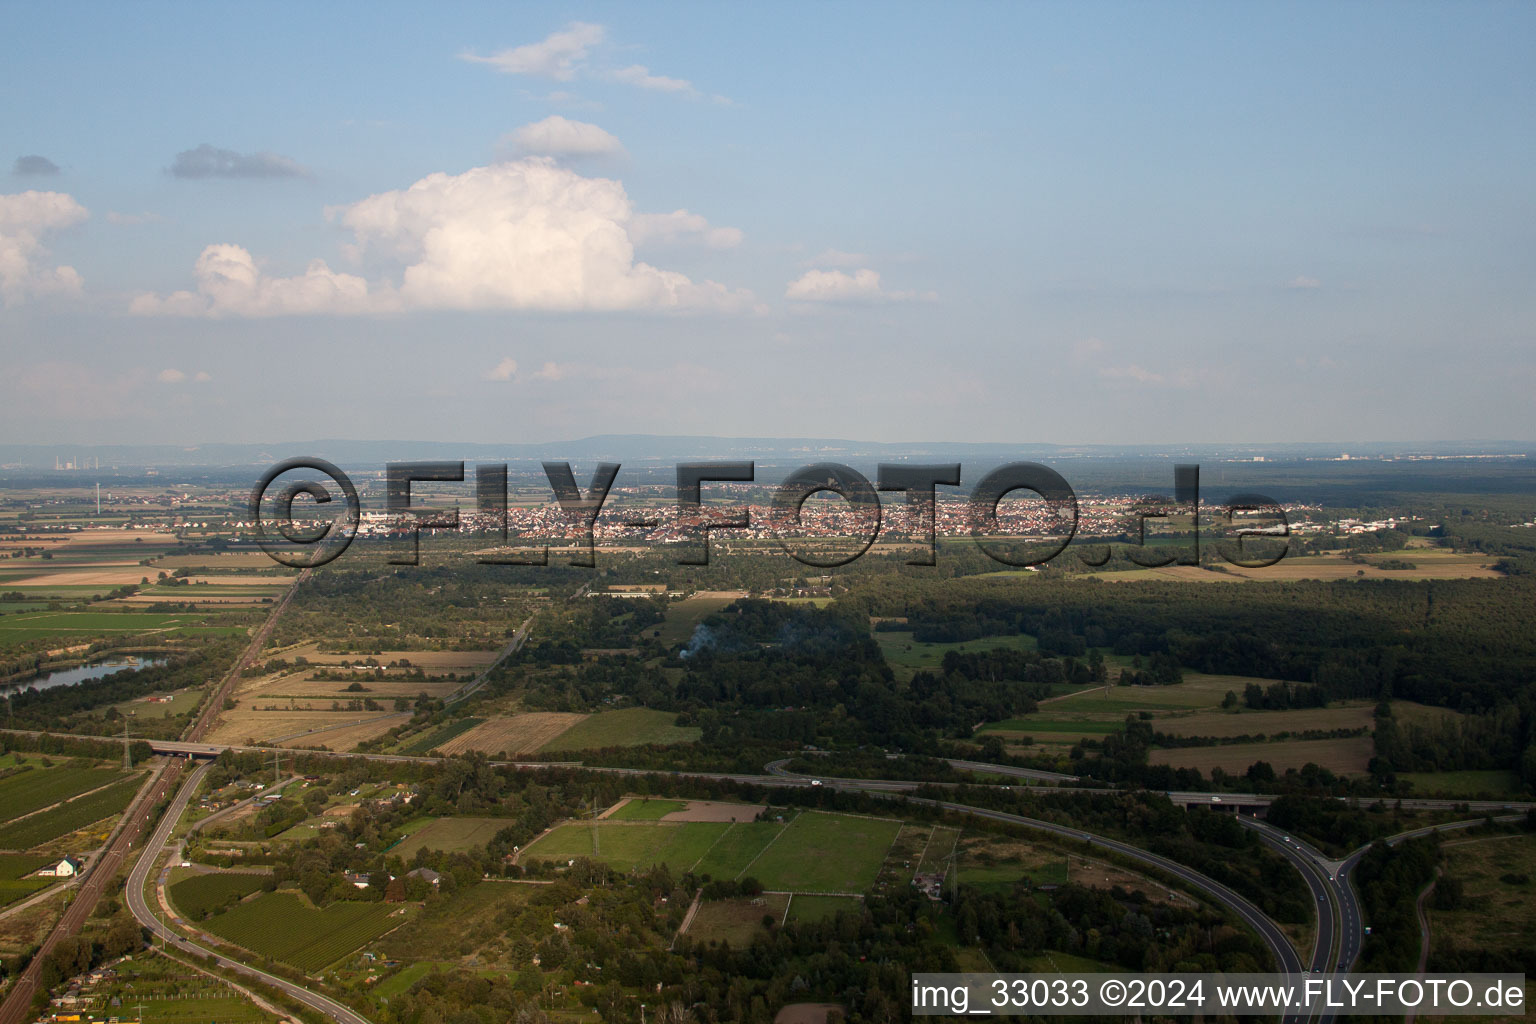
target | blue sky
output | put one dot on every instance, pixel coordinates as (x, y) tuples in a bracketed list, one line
[(994, 222)]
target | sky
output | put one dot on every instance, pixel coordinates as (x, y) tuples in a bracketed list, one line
[(1053, 223)]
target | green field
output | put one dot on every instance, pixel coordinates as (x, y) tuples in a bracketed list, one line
[(625, 846), (641, 809), (1042, 725), (45, 623), (36, 787), (66, 818), (181, 702), (1001, 876), (285, 927), (628, 727), (684, 615), (816, 852), (737, 848), (818, 908), (450, 835), (199, 895), (907, 657), (79, 626), (399, 983), (820, 852), (1493, 783), (442, 734)]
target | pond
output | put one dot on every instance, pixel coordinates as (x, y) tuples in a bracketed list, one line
[(82, 673)]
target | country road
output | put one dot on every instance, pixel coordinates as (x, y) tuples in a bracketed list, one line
[(140, 908)]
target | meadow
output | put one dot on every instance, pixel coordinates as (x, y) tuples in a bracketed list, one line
[(1340, 756), (811, 907), (907, 657), (627, 845), (1494, 913), (1470, 784), (627, 727), (641, 809), (684, 615), (1268, 723), (821, 852), (450, 835)]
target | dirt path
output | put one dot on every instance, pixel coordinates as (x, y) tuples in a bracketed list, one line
[(693, 908), (1423, 935), (615, 807)]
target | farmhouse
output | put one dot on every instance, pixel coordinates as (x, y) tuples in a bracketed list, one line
[(65, 867), (426, 875)]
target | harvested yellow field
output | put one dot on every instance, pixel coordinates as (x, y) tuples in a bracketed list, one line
[(87, 538), (339, 730), (1343, 757), (85, 578), (515, 734), (225, 560), (1324, 567), (347, 737), (431, 661), (382, 690), (1267, 723), (195, 600), (1183, 573)]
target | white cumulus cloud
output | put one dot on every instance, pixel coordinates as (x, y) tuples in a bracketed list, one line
[(504, 370), (639, 76), (680, 227), (523, 235), (229, 283), (558, 56), (863, 285), (25, 218), (559, 136)]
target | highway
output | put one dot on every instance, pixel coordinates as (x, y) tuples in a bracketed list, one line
[(139, 906), (1286, 958), (1340, 919), (1339, 934)]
